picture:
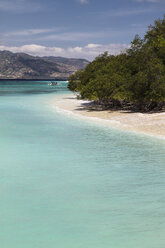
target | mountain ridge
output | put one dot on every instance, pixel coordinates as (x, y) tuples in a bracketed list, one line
[(25, 66)]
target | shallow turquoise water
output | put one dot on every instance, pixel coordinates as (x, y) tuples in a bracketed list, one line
[(66, 183)]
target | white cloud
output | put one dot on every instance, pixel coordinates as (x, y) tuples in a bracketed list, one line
[(150, 1), (125, 12), (27, 32), (55, 34), (89, 51), (18, 6), (74, 36), (83, 1)]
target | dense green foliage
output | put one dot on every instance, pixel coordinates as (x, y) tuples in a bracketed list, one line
[(136, 75)]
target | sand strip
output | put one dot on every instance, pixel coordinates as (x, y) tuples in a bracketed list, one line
[(150, 124)]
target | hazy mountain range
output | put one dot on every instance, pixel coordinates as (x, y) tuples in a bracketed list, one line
[(24, 66)]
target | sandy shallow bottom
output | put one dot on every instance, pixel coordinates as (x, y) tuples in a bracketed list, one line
[(150, 124)]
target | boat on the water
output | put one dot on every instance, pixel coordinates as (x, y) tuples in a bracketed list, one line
[(53, 83)]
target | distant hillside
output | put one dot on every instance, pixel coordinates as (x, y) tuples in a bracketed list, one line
[(79, 63), (21, 65)]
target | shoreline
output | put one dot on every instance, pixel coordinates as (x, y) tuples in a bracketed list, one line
[(144, 123)]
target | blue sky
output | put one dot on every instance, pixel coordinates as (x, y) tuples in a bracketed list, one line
[(74, 28)]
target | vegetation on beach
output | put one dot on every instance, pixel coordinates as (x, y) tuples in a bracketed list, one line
[(134, 79)]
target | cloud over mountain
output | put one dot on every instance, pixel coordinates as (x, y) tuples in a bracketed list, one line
[(89, 51)]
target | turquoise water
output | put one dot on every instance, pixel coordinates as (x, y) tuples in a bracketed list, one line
[(66, 183)]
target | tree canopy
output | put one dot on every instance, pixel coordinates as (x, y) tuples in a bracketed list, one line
[(136, 75)]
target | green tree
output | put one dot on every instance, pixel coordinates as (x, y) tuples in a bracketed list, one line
[(137, 76)]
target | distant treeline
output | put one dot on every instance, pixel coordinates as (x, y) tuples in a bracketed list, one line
[(135, 79)]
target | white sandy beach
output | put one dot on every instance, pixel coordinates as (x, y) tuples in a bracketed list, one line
[(150, 124)]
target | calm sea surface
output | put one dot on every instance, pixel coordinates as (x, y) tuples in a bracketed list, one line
[(69, 183)]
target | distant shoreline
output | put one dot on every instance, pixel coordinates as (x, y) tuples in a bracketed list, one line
[(33, 79), (144, 123)]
